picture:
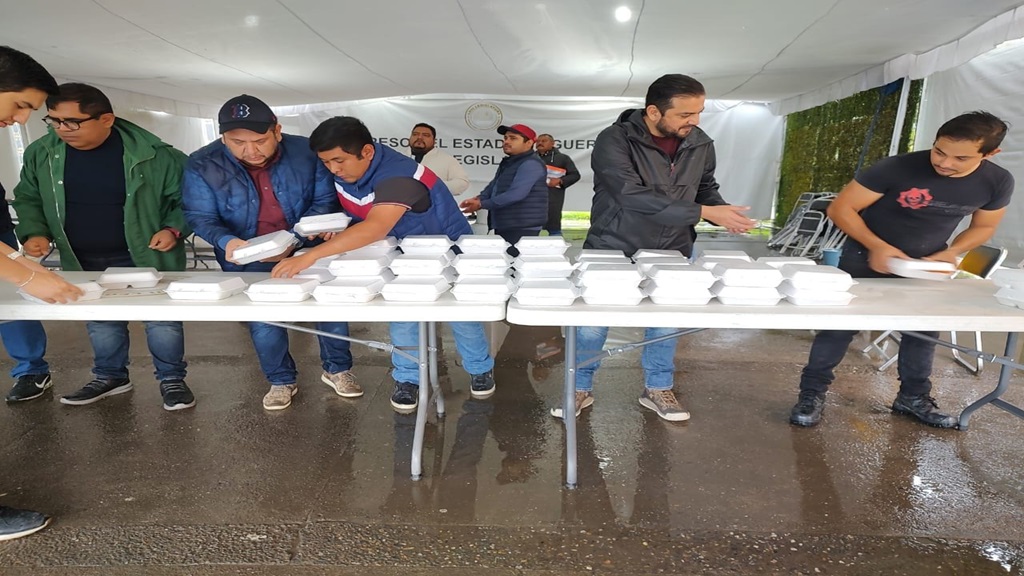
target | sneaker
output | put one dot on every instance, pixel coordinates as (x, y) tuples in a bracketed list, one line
[(664, 402), (482, 385), (16, 523), (28, 387), (344, 383), (924, 408), (808, 408), (177, 395), (583, 400), (280, 396), (97, 390), (405, 398)]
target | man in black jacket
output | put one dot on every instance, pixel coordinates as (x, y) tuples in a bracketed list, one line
[(562, 173), (654, 180)]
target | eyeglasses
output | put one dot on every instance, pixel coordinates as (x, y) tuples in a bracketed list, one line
[(71, 124)]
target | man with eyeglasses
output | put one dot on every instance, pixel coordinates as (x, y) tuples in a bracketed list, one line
[(24, 85), (107, 193)]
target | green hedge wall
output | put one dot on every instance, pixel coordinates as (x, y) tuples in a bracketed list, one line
[(823, 144)]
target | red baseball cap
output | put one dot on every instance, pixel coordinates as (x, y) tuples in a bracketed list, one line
[(521, 129)]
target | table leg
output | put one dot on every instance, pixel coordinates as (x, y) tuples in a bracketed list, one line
[(569, 407), (1005, 371), (435, 381), (421, 408)]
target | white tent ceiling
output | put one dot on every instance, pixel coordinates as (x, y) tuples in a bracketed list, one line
[(305, 51)]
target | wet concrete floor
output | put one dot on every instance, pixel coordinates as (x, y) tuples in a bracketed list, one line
[(323, 488)]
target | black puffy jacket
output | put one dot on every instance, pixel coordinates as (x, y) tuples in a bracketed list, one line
[(642, 198)]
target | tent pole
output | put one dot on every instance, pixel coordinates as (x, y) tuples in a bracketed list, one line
[(901, 116)]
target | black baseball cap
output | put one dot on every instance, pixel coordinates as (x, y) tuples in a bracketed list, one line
[(247, 113)]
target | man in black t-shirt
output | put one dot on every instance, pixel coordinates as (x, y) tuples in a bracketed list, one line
[(907, 207)]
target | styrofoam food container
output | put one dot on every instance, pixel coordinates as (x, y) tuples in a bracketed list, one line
[(1008, 296), (90, 291), (352, 264), (312, 225), (483, 289), (921, 269), (381, 247), (482, 264), (542, 245), (745, 295), (419, 264), (648, 254), (744, 273), (822, 278), (681, 275), (622, 275), (1009, 278), (281, 289), (647, 263), (595, 254), (479, 244), (710, 263), (546, 292), (812, 297), (673, 295), (205, 287), (319, 274), (415, 288), (780, 261), (355, 290), (735, 254), (427, 244), (263, 247), (584, 263), (123, 277), (601, 296)]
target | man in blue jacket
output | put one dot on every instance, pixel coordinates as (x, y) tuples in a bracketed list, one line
[(516, 199), (389, 194), (257, 181)]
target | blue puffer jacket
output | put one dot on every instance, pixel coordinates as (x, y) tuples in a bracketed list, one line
[(517, 198), (443, 217), (221, 201)]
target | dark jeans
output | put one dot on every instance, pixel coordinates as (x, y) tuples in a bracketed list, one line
[(24, 340), (110, 342), (513, 235), (556, 200), (830, 346)]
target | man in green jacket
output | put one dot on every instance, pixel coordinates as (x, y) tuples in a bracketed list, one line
[(107, 193)]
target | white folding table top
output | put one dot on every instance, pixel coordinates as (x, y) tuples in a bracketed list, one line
[(239, 308), (881, 304)]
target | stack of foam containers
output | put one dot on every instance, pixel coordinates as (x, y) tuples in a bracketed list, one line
[(610, 284), (745, 283), (814, 285), (422, 272), (359, 274), (1011, 286), (542, 272), (483, 268), (206, 287), (678, 284), (645, 259), (282, 289)]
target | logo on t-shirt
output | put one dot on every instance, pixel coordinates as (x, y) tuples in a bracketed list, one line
[(915, 198)]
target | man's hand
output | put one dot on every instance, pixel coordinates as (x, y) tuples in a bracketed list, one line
[(470, 205), (163, 241), (280, 256), (232, 245), (51, 288), (729, 217), (37, 246), (943, 256), (878, 258), (291, 266), (554, 182)]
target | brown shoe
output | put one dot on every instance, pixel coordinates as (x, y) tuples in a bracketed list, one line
[(583, 400), (280, 396), (665, 404), (344, 383)]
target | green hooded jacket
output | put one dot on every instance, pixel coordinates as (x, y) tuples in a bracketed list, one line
[(153, 171)]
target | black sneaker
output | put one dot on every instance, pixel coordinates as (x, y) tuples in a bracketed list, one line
[(482, 385), (16, 523), (808, 409), (176, 395), (97, 390), (406, 397), (924, 408), (28, 387)]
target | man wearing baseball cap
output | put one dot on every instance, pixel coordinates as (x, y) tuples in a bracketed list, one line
[(517, 198), (255, 181)]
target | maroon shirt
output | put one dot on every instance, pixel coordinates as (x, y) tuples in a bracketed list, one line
[(668, 145), (271, 216)]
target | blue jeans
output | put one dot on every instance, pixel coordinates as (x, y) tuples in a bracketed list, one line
[(271, 344), (24, 340), (110, 341), (915, 356), (470, 339), (657, 359)]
